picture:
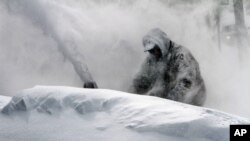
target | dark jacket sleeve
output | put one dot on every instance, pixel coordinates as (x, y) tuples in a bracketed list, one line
[(143, 80)]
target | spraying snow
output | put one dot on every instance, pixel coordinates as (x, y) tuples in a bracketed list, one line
[(34, 35)]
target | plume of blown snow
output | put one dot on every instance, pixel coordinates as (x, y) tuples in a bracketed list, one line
[(108, 34)]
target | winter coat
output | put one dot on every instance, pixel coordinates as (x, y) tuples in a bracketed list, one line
[(176, 75)]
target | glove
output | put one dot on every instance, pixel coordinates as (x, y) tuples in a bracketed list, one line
[(91, 85)]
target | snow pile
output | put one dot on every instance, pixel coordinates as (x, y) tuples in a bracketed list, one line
[(65, 113)]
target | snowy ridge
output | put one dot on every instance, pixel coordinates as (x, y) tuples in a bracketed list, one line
[(144, 114), (3, 101)]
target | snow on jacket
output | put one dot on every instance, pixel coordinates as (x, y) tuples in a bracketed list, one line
[(174, 76)]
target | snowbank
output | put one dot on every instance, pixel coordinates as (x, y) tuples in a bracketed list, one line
[(4, 100), (65, 113)]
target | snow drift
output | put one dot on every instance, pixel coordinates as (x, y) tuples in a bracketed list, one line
[(65, 113)]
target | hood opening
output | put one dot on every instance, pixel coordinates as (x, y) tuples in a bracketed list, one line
[(156, 37)]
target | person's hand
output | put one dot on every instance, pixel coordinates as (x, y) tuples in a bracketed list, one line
[(91, 85)]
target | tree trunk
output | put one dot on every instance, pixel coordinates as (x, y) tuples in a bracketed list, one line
[(240, 26)]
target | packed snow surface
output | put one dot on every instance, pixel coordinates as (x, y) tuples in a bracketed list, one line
[(66, 113)]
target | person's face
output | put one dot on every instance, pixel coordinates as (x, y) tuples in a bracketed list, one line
[(156, 51)]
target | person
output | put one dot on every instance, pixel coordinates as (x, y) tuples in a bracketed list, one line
[(170, 71)]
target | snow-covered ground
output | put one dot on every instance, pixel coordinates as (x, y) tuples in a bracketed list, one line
[(65, 113)]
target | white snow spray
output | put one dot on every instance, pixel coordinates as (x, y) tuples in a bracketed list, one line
[(34, 36), (35, 11)]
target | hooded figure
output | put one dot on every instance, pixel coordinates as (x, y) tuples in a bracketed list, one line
[(169, 71)]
